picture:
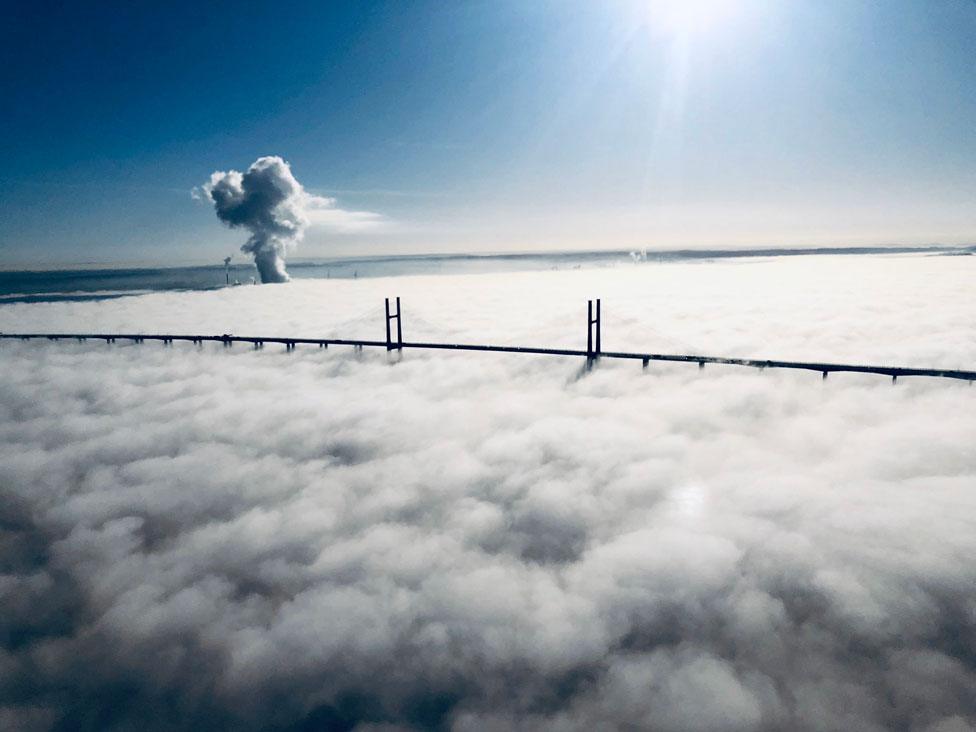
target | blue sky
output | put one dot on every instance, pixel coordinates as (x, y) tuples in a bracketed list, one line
[(490, 126)]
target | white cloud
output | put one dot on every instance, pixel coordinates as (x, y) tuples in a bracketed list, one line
[(238, 538), (324, 213)]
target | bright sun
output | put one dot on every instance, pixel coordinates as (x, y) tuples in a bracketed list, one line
[(689, 17)]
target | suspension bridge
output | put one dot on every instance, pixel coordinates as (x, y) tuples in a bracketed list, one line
[(593, 352)]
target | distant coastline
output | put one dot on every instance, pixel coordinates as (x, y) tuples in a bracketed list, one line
[(91, 282)]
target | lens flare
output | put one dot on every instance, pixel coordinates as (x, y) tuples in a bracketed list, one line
[(690, 17)]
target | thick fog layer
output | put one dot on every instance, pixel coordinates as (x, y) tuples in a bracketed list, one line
[(334, 540)]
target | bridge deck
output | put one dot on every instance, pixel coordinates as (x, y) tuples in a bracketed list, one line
[(645, 358)]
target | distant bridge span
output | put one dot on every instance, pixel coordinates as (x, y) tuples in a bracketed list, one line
[(592, 353)]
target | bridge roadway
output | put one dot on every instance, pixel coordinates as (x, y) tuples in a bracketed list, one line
[(258, 341)]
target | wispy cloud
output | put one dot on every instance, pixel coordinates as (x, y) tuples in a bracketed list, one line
[(324, 212)]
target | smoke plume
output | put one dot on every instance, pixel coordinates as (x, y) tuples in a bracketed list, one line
[(269, 202)]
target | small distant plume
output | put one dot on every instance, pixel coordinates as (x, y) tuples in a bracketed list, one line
[(269, 202)]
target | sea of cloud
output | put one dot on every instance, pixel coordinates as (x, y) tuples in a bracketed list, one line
[(327, 539)]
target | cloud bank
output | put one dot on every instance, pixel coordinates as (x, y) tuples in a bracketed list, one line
[(326, 540), (268, 201)]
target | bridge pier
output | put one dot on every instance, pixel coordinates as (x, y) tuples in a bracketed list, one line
[(390, 343), (592, 332)]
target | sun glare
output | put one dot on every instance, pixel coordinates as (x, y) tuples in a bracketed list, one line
[(689, 17)]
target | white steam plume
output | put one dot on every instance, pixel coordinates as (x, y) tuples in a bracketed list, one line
[(269, 202)]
